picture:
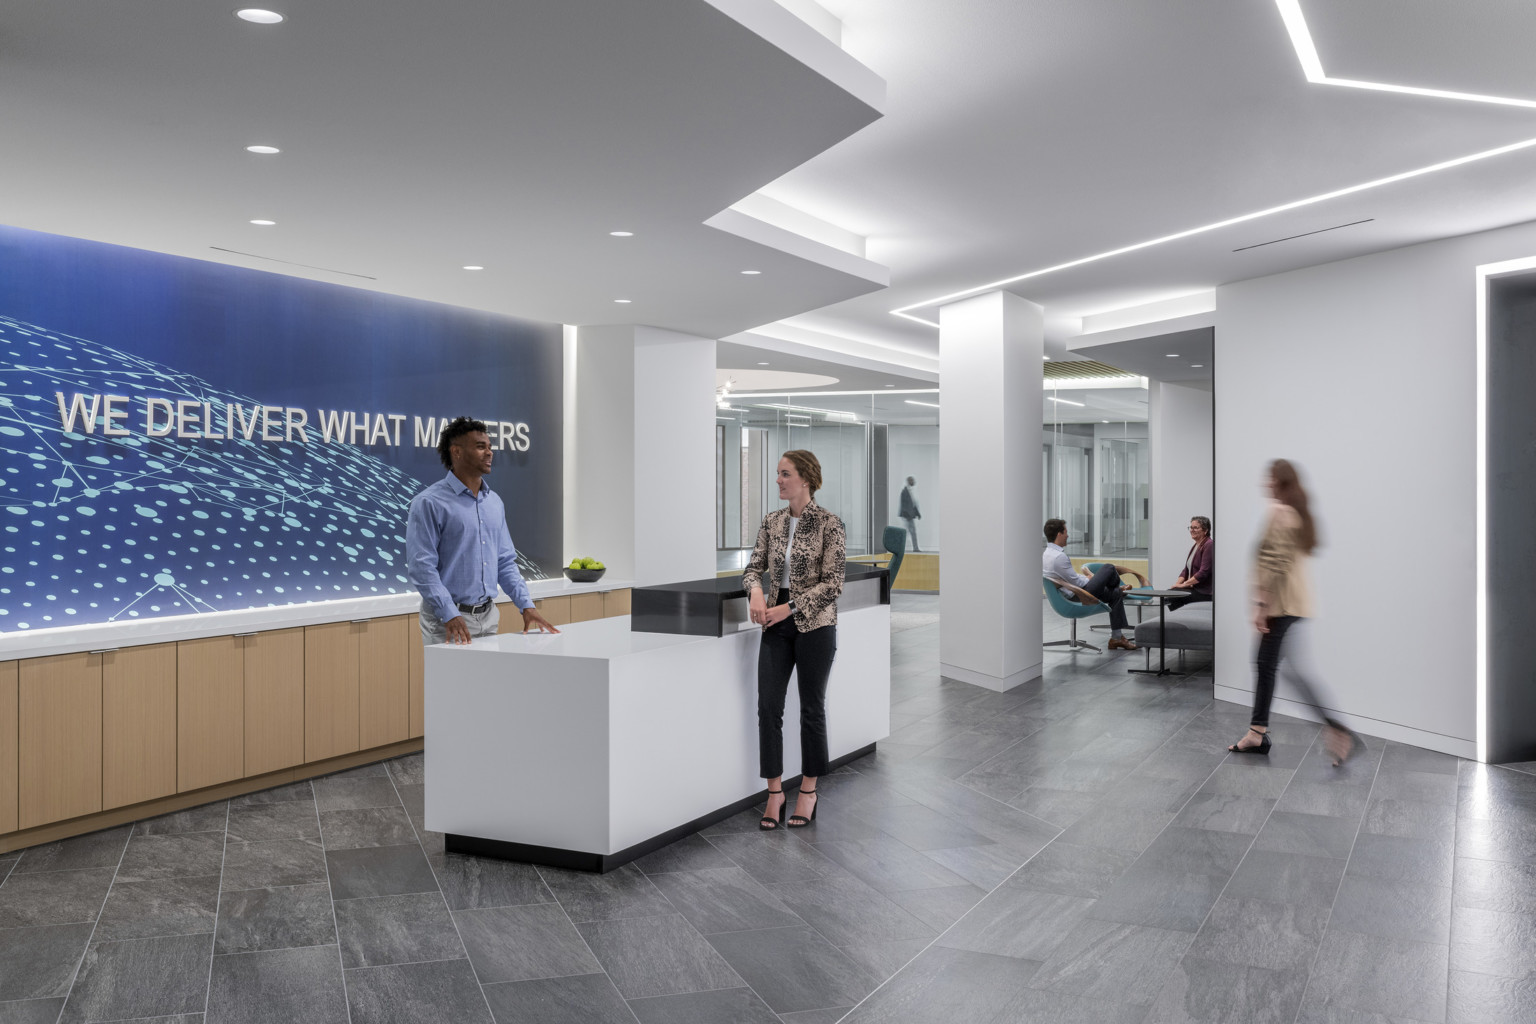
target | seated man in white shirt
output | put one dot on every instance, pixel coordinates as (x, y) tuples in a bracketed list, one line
[(1104, 584)]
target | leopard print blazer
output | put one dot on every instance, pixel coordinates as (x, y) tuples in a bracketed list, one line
[(816, 565)]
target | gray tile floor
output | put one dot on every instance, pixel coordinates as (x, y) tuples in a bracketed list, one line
[(1079, 849)]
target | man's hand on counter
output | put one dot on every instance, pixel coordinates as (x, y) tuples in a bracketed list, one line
[(533, 620), (458, 630)]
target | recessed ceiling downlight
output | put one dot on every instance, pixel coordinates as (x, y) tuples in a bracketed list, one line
[(263, 150), (257, 16), (261, 223)]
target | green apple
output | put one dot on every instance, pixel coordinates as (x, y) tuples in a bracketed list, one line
[(598, 565), (589, 563), (575, 563)]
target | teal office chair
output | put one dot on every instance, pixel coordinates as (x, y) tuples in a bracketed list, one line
[(1083, 607), (895, 541), (1131, 596)]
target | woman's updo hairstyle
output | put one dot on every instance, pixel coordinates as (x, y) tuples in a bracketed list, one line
[(808, 466)]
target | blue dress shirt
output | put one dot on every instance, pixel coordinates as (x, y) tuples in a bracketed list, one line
[(457, 548)]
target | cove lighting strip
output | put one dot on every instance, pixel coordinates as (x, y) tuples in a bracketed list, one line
[(1484, 273), (1312, 68)]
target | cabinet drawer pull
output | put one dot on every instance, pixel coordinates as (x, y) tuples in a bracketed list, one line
[(106, 650), (356, 622), (252, 633)]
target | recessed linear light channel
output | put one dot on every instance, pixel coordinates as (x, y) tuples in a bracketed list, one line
[(1064, 401), (1173, 355), (262, 223), (472, 266), (263, 150), (623, 302), (257, 16), (1304, 234), (931, 405), (751, 273), (622, 234), (905, 312)]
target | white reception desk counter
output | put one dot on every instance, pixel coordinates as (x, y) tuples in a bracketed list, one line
[(595, 746)]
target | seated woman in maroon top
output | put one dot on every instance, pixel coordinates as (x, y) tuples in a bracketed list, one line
[(1199, 566)]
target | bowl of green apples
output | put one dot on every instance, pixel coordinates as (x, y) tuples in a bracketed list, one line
[(585, 570)]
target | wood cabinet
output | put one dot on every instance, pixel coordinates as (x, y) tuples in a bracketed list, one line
[(585, 607), (139, 744), (616, 602), (331, 654), (556, 609), (384, 685), (59, 738), (273, 662), (10, 733), (418, 675), (210, 712)]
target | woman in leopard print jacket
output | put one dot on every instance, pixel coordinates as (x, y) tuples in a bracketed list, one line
[(798, 559)]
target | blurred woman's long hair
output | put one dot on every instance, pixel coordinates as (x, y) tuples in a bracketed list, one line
[(1288, 491)]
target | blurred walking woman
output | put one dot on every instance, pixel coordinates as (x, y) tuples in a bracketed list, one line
[(1282, 598), (793, 582)]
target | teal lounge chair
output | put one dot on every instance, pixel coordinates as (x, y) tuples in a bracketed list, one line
[(1084, 606), (894, 540)]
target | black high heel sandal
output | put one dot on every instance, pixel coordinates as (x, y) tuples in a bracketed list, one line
[(767, 824), (1262, 748), (800, 820)]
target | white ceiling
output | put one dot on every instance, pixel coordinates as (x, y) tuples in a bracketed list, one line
[(516, 134)]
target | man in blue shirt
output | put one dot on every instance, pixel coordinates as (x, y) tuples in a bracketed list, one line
[(1104, 584), (457, 546)]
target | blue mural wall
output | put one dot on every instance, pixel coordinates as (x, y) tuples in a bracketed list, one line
[(179, 437)]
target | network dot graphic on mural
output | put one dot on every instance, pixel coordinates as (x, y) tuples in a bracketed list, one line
[(98, 529)]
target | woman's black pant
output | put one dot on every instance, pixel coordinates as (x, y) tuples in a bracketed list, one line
[(1179, 602), (785, 649), (1268, 665)]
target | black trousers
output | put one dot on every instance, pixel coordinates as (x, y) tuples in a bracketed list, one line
[(1105, 585), (1271, 650), (784, 650), (1179, 602)]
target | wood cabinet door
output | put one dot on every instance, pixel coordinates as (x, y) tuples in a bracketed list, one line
[(210, 712), (616, 602), (330, 689), (59, 738), (585, 607), (274, 699), (383, 683), (556, 609), (10, 734), (417, 668), (511, 617), (138, 724)]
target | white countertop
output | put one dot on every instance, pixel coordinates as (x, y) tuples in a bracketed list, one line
[(603, 639), (38, 643)]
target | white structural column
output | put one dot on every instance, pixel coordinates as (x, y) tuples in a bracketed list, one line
[(990, 349), (1180, 424), (640, 452)]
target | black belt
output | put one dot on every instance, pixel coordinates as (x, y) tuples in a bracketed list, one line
[(476, 609)]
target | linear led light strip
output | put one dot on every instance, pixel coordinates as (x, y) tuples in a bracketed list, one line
[(1306, 52), (1484, 274)]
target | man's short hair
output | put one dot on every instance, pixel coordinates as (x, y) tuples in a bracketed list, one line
[(452, 432), (1053, 528)]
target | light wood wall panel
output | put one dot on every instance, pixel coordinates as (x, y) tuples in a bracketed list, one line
[(10, 734), (616, 602), (585, 607), (418, 674), (384, 685), (330, 689), (274, 699), (59, 745), (210, 712), (138, 724)]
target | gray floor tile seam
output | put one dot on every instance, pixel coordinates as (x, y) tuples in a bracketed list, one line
[(272, 949), (1359, 828), (341, 960), (442, 896), (218, 905), (75, 977), (403, 963)]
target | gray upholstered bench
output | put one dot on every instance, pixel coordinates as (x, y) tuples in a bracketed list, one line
[(1191, 628)]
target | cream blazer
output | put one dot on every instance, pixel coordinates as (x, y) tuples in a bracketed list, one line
[(1282, 571)]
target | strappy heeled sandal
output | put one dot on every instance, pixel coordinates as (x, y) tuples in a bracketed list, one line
[(1262, 748), (768, 824)]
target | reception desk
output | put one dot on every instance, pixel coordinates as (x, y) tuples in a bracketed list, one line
[(594, 746)]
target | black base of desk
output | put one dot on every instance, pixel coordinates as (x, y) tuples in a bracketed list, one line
[(578, 860)]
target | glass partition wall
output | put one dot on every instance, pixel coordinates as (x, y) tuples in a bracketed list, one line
[(1097, 461), (868, 444)]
